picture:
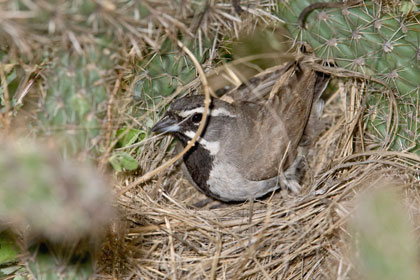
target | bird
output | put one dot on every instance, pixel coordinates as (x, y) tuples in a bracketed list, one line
[(255, 137)]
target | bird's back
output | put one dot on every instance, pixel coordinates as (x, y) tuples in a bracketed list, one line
[(273, 126)]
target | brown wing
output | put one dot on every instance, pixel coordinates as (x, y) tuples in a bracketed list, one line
[(258, 87), (271, 127)]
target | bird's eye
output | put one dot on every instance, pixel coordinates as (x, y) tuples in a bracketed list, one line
[(196, 118)]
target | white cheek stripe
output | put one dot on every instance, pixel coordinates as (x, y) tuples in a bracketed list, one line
[(213, 113), (212, 147)]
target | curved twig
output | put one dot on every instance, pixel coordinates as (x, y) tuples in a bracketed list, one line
[(191, 143), (323, 5)]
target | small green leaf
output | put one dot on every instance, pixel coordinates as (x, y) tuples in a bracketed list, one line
[(129, 136), (9, 270), (114, 161), (8, 248), (128, 162), (123, 161)]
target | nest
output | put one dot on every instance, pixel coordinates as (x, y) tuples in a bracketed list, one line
[(283, 236)]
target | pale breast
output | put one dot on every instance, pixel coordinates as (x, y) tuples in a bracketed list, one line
[(228, 184)]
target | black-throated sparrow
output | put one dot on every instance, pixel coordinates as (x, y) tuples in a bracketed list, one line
[(248, 143)]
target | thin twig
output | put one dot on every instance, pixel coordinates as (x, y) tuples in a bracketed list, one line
[(109, 122), (5, 119), (191, 143), (323, 5)]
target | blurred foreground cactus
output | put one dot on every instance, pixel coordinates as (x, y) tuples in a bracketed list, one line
[(64, 203), (59, 199), (379, 41), (385, 244)]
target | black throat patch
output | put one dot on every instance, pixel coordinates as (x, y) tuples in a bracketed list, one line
[(199, 163)]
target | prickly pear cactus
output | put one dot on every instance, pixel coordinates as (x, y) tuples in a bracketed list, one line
[(76, 99), (382, 42), (164, 71)]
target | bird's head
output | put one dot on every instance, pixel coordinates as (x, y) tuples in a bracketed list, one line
[(185, 114)]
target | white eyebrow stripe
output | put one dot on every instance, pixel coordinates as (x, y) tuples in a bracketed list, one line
[(222, 112), (212, 147), (214, 113), (185, 114)]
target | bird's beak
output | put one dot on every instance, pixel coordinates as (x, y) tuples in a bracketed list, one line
[(166, 125)]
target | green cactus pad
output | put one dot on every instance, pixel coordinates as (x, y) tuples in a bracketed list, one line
[(382, 42)]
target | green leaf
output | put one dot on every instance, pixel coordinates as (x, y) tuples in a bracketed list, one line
[(8, 248), (128, 136), (7, 271), (128, 162), (115, 163), (123, 161)]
